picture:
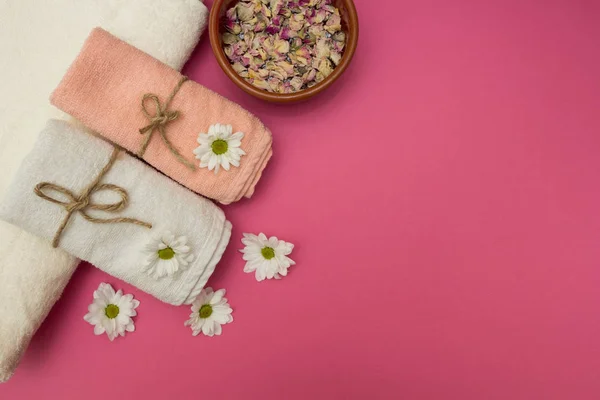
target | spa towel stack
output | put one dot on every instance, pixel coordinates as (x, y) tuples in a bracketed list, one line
[(104, 88), (69, 157), (38, 42)]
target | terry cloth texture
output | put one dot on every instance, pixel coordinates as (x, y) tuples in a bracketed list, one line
[(38, 41), (104, 88), (71, 158)]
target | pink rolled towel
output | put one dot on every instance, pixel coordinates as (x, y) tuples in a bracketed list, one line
[(117, 90)]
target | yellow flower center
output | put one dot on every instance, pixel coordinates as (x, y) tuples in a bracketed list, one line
[(219, 146), (205, 311), (111, 311), (267, 252), (166, 254)]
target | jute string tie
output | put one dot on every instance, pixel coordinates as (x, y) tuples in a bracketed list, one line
[(83, 202), (159, 120)]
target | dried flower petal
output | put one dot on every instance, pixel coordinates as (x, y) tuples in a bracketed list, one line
[(283, 46), (333, 23), (275, 84), (246, 59), (303, 52), (286, 67), (229, 38), (229, 52), (316, 31), (335, 57), (338, 46), (297, 22), (258, 74), (296, 82), (309, 75), (244, 11), (261, 23), (325, 67), (318, 18), (296, 43), (339, 36), (276, 6), (237, 67), (261, 84), (322, 48), (286, 33), (231, 14)]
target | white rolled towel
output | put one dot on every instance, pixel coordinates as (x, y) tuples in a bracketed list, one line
[(38, 41), (119, 214)]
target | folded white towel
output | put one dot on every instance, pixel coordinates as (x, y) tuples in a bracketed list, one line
[(65, 161), (38, 41)]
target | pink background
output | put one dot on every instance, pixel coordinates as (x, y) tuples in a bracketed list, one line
[(443, 198)]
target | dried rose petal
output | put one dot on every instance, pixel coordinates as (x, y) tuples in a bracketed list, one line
[(296, 82), (283, 46), (296, 43), (262, 54), (246, 59), (237, 67), (239, 48), (248, 26), (229, 52), (333, 24), (261, 84), (231, 14), (259, 74), (264, 10), (316, 31), (276, 6), (303, 52), (272, 29), (309, 75), (329, 8), (322, 48), (318, 18), (233, 27), (276, 21), (286, 33), (261, 23), (275, 84), (286, 67), (320, 77), (229, 38), (338, 46), (273, 70), (339, 36), (335, 57), (325, 67), (297, 22), (244, 11)]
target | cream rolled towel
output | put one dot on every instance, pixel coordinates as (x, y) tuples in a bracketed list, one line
[(38, 41), (136, 224)]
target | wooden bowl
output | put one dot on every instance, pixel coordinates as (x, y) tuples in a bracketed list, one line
[(349, 26)]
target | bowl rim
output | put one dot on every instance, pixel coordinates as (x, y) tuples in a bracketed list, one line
[(215, 43)]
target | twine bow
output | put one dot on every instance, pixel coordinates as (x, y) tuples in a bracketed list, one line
[(83, 202), (159, 120)]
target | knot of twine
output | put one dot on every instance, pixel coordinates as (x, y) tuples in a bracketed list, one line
[(159, 120), (83, 202)]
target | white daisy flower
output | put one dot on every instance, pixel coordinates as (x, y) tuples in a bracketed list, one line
[(266, 257), (166, 254), (210, 310), (111, 312), (219, 148)]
